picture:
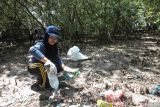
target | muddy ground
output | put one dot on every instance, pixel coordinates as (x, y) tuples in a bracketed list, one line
[(131, 65)]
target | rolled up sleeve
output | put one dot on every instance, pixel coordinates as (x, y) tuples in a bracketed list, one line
[(37, 51)]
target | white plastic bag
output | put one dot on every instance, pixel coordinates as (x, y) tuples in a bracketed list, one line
[(52, 77), (75, 55), (53, 81), (50, 66)]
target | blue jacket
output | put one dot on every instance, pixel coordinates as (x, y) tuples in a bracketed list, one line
[(38, 52)]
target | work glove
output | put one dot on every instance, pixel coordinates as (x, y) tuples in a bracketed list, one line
[(50, 67)]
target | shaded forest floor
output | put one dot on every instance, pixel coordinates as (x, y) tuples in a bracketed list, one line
[(131, 65)]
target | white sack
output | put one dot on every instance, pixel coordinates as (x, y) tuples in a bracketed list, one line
[(75, 54)]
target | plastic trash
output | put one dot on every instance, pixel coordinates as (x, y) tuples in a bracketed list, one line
[(102, 103), (156, 90), (119, 94), (70, 76), (53, 81), (109, 96), (114, 97), (52, 77), (75, 54)]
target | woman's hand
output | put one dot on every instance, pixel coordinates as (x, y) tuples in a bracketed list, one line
[(51, 66), (68, 69)]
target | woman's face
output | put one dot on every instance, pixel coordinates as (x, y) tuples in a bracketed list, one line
[(52, 40)]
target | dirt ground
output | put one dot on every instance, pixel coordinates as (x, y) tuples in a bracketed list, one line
[(132, 65)]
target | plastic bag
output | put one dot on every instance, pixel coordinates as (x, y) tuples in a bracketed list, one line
[(156, 90), (50, 67), (114, 97), (71, 76), (102, 103), (75, 55), (53, 80)]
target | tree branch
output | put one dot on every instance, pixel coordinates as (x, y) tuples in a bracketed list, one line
[(29, 13)]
